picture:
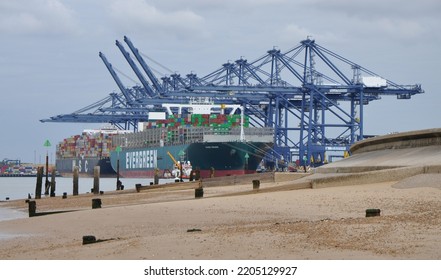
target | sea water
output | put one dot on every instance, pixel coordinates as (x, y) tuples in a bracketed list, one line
[(12, 188), (20, 187)]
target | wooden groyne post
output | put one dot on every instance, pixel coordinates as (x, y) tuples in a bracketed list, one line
[(96, 180), (39, 184), (96, 203), (53, 183), (373, 212), (32, 208), (75, 180), (47, 184), (156, 176), (256, 184), (199, 191)]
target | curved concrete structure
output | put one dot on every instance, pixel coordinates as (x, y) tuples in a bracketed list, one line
[(390, 157), (411, 139), (414, 148)]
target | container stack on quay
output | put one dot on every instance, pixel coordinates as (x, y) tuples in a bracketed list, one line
[(15, 167), (26, 169)]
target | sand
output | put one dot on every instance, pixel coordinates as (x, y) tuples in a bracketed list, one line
[(234, 222)]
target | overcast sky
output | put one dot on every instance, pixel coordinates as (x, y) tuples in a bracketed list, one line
[(49, 61)]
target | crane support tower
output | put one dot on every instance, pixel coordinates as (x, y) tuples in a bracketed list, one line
[(313, 98)]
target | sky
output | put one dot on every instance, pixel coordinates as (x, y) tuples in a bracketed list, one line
[(49, 63)]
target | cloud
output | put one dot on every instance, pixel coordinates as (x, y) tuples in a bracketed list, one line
[(294, 33), (139, 16), (401, 28), (391, 19), (378, 8), (220, 5), (39, 17)]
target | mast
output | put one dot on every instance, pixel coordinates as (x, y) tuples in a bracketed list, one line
[(242, 134)]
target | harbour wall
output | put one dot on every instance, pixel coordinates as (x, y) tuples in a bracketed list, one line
[(391, 157), (411, 139)]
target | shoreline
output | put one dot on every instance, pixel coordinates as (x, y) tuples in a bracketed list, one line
[(7, 213)]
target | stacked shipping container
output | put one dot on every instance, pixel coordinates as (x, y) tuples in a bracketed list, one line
[(90, 144), (176, 125), (97, 144), (180, 130), (214, 120)]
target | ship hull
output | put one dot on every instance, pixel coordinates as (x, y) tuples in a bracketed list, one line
[(210, 158), (65, 166)]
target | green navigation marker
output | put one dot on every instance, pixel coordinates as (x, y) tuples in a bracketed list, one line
[(47, 143), (118, 149)]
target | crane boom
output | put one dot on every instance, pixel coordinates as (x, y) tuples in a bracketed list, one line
[(178, 165), (135, 69), (123, 89), (144, 65)]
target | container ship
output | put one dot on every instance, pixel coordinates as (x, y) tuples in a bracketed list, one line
[(205, 140), (87, 150)]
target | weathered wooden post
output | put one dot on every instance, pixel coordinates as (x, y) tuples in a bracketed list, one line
[(96, 180), (156, 176), (256, 184), (373, 212), (89, 239), (199, 191), (32, 208), (197, 176), (75, 180), (53, 183), (118, 182), (47, 183), (47, 144), (96, 203), (192, 173), (38, 186)]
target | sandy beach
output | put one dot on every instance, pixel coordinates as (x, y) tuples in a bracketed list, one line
[(276, 221)]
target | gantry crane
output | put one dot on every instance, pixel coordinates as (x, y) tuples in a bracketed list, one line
[(312, 97)]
